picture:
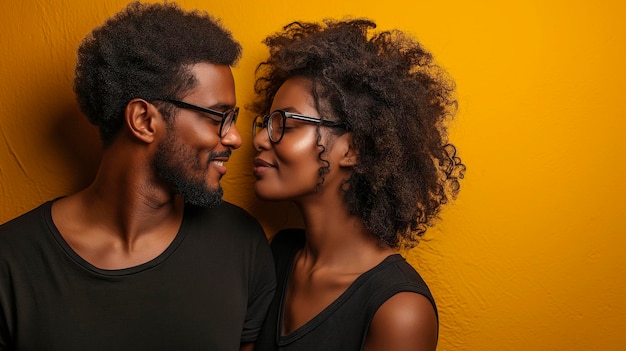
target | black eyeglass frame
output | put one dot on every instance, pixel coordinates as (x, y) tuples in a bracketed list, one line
[(222, 115), (264, 123)]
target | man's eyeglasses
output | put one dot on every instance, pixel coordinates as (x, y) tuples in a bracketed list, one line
[(275, 123), (227, 118)]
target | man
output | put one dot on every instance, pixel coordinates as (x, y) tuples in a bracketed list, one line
[(147, 257)]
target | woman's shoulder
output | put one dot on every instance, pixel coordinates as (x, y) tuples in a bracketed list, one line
[(404, 309), (406, 321)]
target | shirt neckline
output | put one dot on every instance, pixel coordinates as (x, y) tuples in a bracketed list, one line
[(328, 310), (84, 264)]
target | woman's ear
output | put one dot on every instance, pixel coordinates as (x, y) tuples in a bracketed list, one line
[(349, 153), (141, 119)]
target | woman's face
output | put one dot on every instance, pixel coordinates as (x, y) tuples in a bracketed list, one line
[(289, 169)]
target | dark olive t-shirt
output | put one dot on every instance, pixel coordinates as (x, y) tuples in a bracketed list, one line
[(343, 325), (209, 290)]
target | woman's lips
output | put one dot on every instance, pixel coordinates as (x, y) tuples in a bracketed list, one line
[(261, 166)]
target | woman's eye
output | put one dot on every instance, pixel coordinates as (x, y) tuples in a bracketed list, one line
[(288, 126), (287, 129)]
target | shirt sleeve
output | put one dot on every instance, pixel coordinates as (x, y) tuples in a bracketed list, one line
[(262, 286), (5, 293)]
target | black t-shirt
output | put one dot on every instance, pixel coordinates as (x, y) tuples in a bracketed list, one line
[(209, 290), (343, 325)]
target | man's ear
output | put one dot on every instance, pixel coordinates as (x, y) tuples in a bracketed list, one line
[(142, 119), (350, 155)]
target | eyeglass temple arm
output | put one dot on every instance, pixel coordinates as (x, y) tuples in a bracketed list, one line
[(314, 120)]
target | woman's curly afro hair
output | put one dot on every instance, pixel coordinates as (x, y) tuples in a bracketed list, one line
[(395, 101), (145, 51)]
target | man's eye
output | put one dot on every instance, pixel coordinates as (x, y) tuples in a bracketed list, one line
[(214, 120)]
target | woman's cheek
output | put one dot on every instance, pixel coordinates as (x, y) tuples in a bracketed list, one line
[(300, 148)]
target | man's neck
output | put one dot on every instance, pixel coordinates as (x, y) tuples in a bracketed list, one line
[(122, 219)]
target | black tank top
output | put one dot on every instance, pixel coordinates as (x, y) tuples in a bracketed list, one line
[(344, 323)]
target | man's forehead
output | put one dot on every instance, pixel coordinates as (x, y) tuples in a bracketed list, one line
[(215, 85)]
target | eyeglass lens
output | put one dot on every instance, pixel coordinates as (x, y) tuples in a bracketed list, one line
[(227, 122), (257, 125), (274, 124)]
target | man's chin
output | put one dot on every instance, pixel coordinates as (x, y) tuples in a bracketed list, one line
[(204, 197)]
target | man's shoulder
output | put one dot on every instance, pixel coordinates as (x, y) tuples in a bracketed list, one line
[(290, 238), (232, 209), (225, 217), (29, 220), (23, 233), (223, 210)]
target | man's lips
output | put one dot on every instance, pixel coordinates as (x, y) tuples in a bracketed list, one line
[(218, 159), (220, 156), (218, 164)]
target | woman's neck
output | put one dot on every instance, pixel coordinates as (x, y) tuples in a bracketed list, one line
[(336, 237)]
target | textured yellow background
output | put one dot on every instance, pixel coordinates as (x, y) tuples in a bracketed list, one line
[(528, 258)]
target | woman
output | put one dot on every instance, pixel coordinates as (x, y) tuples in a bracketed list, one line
[(353, 132)]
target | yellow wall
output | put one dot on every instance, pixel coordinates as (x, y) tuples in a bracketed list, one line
[(528, 258)]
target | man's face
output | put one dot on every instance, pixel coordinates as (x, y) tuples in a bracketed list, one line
[(191, 156)]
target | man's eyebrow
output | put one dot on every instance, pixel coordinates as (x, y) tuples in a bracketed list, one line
[(221, 106)]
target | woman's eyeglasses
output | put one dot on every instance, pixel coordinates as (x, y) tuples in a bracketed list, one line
[(275, 123)]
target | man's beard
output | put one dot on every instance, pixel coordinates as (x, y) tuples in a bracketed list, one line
[(178, 166)]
